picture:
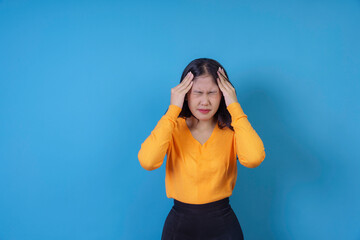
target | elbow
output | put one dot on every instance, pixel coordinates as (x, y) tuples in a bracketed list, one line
[(146, 163), (147, 167), (253, 161)]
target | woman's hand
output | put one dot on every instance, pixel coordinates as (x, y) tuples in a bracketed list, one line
[(178, 93), (227, 90)]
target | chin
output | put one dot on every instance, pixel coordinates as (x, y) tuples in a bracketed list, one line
[(204, 117)]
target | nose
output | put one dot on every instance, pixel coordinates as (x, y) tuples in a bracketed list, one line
[(205, 100)]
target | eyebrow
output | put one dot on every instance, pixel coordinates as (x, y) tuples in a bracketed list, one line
[(196, 90)]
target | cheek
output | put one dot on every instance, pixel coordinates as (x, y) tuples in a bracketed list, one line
[(216, 99), (219, 99), (218, 96)]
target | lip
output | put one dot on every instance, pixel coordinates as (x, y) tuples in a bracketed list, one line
[(204, 110)]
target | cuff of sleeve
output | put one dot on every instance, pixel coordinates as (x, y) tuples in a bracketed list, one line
[(173, 111), (235, 110)]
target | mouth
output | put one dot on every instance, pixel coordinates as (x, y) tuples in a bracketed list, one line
[(204, 110)]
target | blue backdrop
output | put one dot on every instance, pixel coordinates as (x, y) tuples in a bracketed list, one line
[(83, 83)]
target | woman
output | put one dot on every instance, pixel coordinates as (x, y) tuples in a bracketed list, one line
[(202, 133)]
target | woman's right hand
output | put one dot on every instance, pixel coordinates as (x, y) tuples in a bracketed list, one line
[(178, 93)]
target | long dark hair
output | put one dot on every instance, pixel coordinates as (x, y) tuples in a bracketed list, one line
[(207, 66)]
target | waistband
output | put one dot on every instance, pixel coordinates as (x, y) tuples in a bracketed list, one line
[(217, 205)]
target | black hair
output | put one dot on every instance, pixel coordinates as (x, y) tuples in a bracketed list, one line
[(207, 66)]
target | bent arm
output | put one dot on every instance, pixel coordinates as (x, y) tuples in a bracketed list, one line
[(249, 147), (154, 148)]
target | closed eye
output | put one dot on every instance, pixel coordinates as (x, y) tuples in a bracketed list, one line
[(202, 92)]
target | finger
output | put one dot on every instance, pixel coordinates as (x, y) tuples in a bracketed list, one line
[(227, 82), (187, 89), (188, 77), (221, 86), (189, 86), (228, 85), (223, 71), (224, 82), (222, 74), (185, 81), (185, 84), (223, 79)]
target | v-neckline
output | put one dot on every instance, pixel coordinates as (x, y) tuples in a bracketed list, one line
[(194, 139)]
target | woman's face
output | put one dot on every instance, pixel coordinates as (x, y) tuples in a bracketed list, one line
[(204, 95)]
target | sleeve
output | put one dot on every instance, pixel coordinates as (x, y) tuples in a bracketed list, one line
[(154, 148), (249, 147)]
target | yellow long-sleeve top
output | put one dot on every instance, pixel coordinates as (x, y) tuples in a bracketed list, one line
[(197, 173)]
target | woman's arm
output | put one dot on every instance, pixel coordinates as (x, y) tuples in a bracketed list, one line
[(249, 147), (154, 148)]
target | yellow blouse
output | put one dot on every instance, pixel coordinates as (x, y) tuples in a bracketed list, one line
[(201, 173)]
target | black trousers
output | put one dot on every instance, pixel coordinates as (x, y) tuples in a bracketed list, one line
[(209, 221)]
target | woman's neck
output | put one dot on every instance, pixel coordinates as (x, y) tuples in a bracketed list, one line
[(201, 125)]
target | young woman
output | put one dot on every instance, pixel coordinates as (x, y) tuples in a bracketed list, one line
[(203, 133)]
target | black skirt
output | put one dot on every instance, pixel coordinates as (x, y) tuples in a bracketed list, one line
[(209, 221)]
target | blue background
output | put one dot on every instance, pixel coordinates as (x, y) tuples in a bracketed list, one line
[(83, 83)]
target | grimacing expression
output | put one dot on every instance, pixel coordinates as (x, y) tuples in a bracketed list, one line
[(204, 95)]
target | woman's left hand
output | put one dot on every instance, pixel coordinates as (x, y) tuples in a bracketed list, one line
[(226, 88)]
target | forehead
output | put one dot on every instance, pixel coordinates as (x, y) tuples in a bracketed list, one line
[(204, 83)]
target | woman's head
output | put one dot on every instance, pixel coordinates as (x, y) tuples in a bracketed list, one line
[(205, 93)]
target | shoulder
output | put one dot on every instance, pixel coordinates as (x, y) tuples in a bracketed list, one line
[(225, 130), (180, 123)]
